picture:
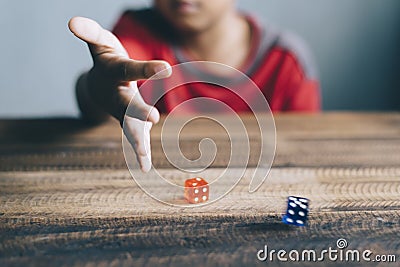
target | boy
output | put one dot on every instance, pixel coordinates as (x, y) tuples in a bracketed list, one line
[(146, 42)]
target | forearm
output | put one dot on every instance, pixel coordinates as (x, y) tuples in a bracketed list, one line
[(90, 111)]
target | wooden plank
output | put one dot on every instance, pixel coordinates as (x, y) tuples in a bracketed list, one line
[(62, 216), (66, 197), (325, 140)]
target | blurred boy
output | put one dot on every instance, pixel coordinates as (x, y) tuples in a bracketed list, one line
[(145, 42)]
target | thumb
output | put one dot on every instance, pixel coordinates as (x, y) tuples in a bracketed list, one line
[(92, 33), (101, 40)]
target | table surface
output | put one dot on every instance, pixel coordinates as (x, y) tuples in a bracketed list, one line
[(67, 197)]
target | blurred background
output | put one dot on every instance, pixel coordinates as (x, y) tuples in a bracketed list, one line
[(356, 44)]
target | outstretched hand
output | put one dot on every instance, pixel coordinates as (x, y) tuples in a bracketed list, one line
[(111, 84)]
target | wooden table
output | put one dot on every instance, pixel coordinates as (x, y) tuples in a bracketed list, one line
[(67, 198)]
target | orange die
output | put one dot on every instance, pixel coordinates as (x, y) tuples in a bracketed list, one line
[(196, 190)]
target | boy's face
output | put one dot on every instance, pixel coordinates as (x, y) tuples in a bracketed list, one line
[(193, 15)]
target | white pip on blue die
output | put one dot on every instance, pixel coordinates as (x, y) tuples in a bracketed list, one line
[(297, 211)]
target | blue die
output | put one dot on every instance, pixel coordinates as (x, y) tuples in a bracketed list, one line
[(297, 211)]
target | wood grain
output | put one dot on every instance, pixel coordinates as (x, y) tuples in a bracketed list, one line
[(67, 199)]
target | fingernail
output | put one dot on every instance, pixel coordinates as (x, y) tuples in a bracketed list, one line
[(145, 164), (162, 71), (154, 116)]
